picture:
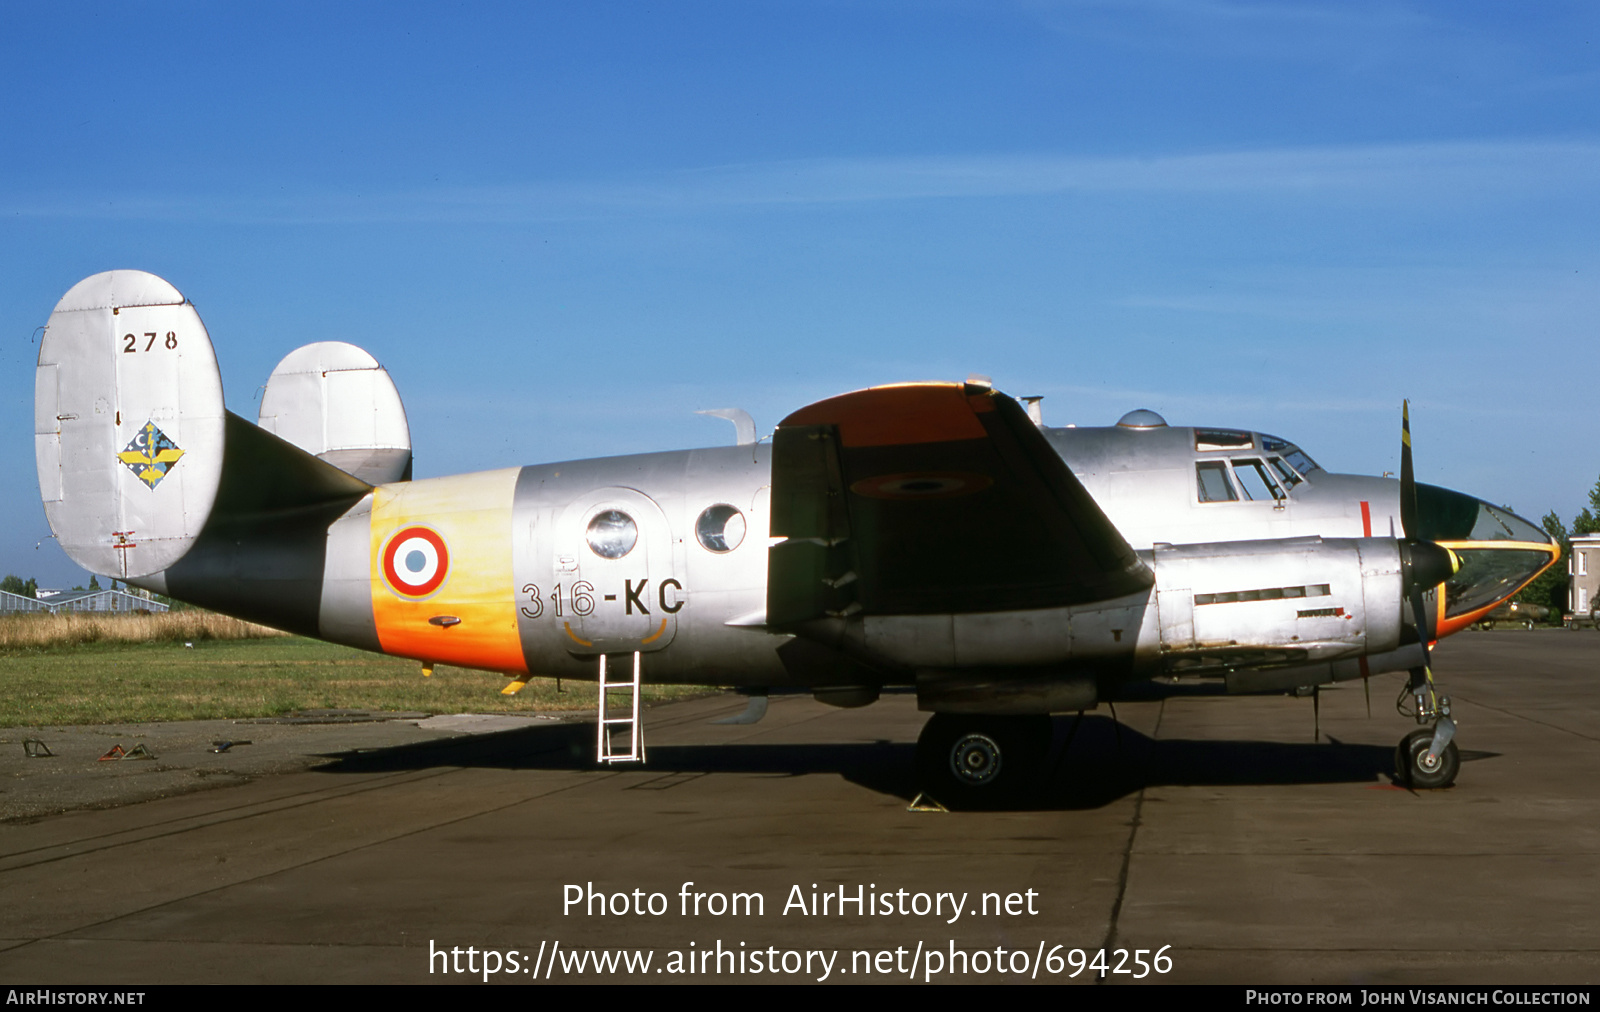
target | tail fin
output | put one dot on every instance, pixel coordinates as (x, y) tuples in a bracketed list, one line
[(138, 459), (336, 402), (128, 423)]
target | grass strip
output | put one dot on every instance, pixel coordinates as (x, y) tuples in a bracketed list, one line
[(74, 628), (110, 682)]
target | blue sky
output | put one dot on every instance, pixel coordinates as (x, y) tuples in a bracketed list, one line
[(565, 227)]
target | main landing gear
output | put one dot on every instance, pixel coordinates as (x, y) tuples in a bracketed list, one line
[(975, 761), (1426, 758)]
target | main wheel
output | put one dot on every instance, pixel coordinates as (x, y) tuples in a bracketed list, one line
[(976, 761), (1416, 770)]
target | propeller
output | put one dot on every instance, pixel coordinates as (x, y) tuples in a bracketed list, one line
[(1423, 564)]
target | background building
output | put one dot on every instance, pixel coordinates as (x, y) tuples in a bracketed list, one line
[(1583, 568)]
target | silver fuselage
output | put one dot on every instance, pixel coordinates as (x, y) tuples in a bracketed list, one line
[(697, 615)]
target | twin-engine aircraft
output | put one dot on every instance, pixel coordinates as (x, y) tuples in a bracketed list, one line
[(933, 536)]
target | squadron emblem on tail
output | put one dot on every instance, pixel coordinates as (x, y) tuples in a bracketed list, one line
[(151, 455)]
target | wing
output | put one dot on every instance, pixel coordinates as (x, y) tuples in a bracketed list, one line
[(931, 499)]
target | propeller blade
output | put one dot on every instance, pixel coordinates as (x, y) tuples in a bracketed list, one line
[(1425, 564), (1408, 478)]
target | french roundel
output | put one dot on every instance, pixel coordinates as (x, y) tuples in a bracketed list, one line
[(416, 561)]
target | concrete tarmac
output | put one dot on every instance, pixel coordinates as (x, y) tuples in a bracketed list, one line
[(1212, 829)]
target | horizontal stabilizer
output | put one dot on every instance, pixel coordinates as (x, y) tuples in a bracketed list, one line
[(263, 474), (336, 402), (262, 554)]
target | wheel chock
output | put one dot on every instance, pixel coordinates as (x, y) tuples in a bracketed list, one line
[(33, 748), (115, 753), (925, 803), (514, 687), (138, 752)]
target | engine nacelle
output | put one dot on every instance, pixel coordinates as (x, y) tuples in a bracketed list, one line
[(1278, 603)]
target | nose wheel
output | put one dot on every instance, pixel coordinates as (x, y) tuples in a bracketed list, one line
[(1427, 758), (1420, 766)]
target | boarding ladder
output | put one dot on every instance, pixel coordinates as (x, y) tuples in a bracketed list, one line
[(605, 750)]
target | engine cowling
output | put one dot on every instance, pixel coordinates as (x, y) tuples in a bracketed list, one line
[(1253, 604)]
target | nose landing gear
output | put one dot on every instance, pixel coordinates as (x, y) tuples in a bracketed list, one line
[(1427, 758)]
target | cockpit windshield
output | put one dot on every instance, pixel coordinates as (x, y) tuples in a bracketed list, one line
[(1296, 457), (1257, 484), (1287, 473)]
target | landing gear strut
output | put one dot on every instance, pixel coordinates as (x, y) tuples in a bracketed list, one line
[(969, 760), (1427, 758)]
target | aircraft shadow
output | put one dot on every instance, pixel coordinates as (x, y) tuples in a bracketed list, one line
[(1102, 762)]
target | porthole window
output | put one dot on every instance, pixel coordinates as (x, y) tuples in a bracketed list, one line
[(612, 534), (720, 528)]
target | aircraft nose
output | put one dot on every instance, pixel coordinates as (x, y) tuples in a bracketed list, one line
[(1499, 551)]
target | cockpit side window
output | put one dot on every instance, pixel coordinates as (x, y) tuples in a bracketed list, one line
[(1214, 486), (1258, 486)]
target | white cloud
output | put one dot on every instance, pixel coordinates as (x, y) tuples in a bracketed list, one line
[(1412, 172)]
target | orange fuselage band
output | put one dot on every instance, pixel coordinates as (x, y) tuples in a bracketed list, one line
[(462, 524)]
